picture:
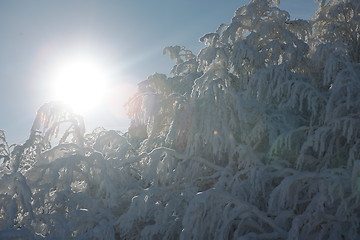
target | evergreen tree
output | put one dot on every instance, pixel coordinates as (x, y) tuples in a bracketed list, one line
[(256, 137)]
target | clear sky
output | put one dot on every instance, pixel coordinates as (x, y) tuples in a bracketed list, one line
[(127, 35)]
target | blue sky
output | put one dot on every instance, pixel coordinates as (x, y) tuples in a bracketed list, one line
[(130, 34)]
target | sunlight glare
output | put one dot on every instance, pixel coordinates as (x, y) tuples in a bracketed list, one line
[(80, 82)]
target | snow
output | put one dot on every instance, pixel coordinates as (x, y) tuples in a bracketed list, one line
[(256, 137)]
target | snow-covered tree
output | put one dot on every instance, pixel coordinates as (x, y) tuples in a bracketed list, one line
[(256, 137)]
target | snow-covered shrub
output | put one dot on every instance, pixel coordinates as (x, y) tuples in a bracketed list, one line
[(256, 137)]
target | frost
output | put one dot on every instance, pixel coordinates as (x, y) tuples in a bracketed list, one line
[(256, 137)]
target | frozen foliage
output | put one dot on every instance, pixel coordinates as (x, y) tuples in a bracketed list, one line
[(256, 137)]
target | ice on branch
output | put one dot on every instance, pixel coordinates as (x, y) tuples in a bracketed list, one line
[(256, 137)]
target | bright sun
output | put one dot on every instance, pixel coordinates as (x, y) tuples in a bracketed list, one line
[(79, 81)]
